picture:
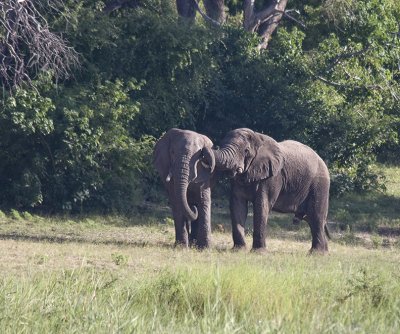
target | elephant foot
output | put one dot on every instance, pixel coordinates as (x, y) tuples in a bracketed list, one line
[(181, 245), (322, 250), (239, 247), (259, 250), (202, 246)]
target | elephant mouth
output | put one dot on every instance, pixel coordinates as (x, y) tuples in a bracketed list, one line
[(234, 172)]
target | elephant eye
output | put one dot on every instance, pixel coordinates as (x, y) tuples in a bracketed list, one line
[(246, 151)]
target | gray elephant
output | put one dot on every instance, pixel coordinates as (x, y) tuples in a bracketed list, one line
[(185, 163), (286, 177)]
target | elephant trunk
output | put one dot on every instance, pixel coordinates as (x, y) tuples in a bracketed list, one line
[(181, 188), (209, 157), (224, 158)]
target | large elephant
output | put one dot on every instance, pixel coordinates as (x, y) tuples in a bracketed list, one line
[(286, 177), (185, 162)]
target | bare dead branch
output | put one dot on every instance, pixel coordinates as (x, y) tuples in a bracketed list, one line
[(348, 86), (265, 21), (205, 16), (27, 46), (286, 14), (337, 59)]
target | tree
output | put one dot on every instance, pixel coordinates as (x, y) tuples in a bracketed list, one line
[(263, 22), (27, 46)]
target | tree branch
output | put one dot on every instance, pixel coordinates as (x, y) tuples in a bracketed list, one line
[(336, 60), (340, 85), (205, 16), (286, 14), (28, 46), (265, 21)]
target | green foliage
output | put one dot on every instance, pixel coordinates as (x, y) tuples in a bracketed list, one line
[(14, 214), (376, 241), (86, 144), (119, 259), (367, 287)]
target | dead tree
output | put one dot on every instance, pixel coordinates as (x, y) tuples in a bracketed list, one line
[(263, 22), (27, 46)]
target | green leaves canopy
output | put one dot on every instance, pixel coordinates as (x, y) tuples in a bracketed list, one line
[(86, 143)]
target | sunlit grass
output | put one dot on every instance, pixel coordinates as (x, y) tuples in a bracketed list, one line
[(111, 274), (392, 182), (209, 292)]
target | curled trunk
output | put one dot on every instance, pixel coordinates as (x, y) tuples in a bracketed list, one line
[(181, 187), (208, 155)]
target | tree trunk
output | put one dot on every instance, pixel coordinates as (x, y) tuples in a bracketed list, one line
[(186, 9), (266, 29), (265, 21), (215, 9)]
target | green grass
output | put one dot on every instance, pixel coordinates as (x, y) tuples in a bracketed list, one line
[(122, 275), (374, 212), (173, 291)]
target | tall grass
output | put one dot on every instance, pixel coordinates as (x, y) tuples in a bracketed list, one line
[(116, 275), (287, 293)]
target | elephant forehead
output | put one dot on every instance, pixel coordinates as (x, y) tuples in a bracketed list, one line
[(194, 145), (191, 149), (235, 138)]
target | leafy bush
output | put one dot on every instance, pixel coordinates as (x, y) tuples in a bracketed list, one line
[(86, 144)]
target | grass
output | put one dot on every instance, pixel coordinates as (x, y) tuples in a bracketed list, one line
[(52, 287), (122, 275), (374, 212)]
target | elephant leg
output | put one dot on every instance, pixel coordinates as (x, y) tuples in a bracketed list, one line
[(317, 215), (181, 227), (193, 232), (261, 212), (238, 208), (319, 242), (204, 220), (181, 232), (180, 222)]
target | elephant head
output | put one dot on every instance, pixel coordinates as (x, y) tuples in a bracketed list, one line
[(251, 155), (182, 157)]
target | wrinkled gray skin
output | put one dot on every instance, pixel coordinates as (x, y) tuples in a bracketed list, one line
[(185, 163), (286, 177)]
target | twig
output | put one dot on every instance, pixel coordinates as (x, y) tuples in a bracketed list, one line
[(285, 13), (28, 46)]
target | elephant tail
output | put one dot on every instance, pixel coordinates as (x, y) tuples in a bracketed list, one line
[(328, 234)]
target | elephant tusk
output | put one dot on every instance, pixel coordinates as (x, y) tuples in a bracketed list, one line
[(205, 165), (240, 170), (168, 177)]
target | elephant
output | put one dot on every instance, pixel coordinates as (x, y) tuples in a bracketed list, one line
[(287, 177), (185, 163)]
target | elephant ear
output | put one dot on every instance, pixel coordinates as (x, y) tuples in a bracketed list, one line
[(161, 159), (267, 162)]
